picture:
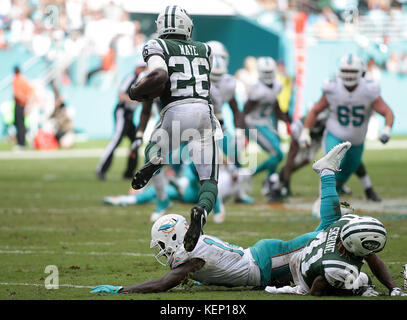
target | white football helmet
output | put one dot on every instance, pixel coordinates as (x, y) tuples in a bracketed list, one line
[(174, 20), (218, 49), (351, 68), (218, 70), (363, 235), (266, 67), (167, 234)]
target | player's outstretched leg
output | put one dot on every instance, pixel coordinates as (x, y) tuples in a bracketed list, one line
[(326, 168)]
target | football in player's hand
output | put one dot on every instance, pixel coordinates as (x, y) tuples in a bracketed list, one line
[(157, 92)]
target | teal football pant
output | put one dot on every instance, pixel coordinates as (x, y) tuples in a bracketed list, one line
[(350, 163), (270, 142)]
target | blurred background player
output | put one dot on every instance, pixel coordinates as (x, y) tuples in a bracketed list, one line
[(184, 188), (351, 99), (299, 157), (124, 126), (23, 94), (259, 108), (223, 87), (226, 84), (186, 105), (63, 127)]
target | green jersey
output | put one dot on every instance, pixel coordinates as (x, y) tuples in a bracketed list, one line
[(322, 257), (189, 66)]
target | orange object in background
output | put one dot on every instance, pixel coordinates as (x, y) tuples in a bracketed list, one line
[(108, 60), (45, 141)]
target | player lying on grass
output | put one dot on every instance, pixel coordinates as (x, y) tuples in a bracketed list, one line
[(184, 188), (235, 183), (217, 262)]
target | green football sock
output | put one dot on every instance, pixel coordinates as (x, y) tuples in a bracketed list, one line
[(208, 194)]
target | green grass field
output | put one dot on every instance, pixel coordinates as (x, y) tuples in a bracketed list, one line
[(51, 213)]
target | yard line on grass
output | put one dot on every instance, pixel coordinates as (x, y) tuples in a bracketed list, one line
[(123, 152), (58, 154), (91, 253), (42, 285)]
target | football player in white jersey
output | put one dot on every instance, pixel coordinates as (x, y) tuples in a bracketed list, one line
[(216, 262), (262, 102), (299, 157), (223, 91), (351, 100)]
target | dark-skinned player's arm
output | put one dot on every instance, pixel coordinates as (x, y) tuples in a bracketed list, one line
[(289, 166), (170, 280), (321, 105), (237, 115), (249, 106), (382, 274), (320, 287), (382, 108), (284, 116), (144, 117)]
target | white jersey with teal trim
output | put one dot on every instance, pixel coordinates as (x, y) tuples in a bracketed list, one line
[(227, 87), (350, 111), (265, 98), (217, 102), (225, 264)]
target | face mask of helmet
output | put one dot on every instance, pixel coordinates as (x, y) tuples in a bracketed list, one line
[(351, 68), (350, 77), (162, 254), (266, 67), (267, 77)]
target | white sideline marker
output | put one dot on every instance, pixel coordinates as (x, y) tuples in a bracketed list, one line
[(42, 285)]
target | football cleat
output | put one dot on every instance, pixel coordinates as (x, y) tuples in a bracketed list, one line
[(274, 196), (100, 175), (219, 217), (143, 176), (371, 195), (116, 201), (198, 219), (332, 160), (246, 199)]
